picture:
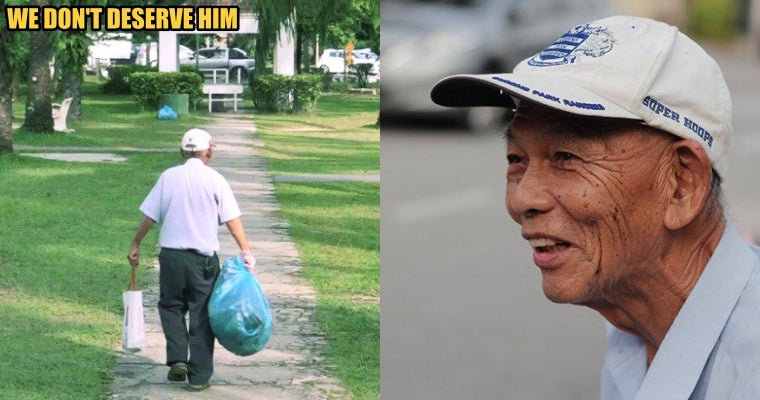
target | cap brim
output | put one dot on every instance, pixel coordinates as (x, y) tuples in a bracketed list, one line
[(496, 90)]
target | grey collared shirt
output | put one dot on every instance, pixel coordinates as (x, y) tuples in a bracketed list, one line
[(712, 350)]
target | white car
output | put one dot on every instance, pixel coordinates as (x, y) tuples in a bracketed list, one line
[(143, 55), (333, 60)]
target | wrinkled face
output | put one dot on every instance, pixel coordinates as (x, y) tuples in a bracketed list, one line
[(589, 195)]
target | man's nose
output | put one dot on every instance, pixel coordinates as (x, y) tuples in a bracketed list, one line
[(530, 195)]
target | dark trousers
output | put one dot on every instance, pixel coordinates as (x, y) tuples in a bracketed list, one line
[(186, 281)]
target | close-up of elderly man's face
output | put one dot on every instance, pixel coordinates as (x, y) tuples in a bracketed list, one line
[(593, 198)]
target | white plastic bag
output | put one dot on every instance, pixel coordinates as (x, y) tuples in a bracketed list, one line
[(133, 338)]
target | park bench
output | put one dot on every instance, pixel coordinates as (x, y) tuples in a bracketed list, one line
[(222, 92), (60, 112), (222, 75)]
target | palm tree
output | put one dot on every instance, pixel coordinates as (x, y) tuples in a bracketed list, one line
[(272, 16), (39, 109)]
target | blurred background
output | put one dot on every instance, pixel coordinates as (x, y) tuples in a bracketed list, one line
[(463, 315)]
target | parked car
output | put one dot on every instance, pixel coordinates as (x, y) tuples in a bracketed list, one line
[(424, 41), (333, 60), (149, 51), (234, 60), (109, 50)]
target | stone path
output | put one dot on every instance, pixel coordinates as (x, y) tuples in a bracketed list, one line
[(292, 366)]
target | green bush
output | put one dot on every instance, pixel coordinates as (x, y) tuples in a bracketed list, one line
[(291, 94), (362, 74), (190, 68), (118, 78), (714, 19), (149, 86)]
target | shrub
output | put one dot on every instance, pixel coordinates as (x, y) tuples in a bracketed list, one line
[(714, 19), (362, 74), (118, 78), (279, 93), (190, 68), (149, 86)]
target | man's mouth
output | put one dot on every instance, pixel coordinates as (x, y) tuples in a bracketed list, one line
[(546, 245)]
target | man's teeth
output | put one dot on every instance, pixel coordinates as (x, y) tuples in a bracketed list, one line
[(542, 242)]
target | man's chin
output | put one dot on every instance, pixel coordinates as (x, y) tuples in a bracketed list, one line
[(563, 295)]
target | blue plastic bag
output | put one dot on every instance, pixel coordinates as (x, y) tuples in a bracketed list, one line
[(167, 113), (238, 311)]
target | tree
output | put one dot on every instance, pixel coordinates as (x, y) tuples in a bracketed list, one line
[(314, 17), (71, 51), (272, 16), (13, 48), (335, 23), (359, 23), (39, 108)]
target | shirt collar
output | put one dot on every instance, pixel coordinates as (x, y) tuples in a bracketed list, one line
[(194, 161), (691, 338)]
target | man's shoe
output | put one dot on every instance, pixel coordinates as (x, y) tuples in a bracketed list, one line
[(197, 388), (178, 372)]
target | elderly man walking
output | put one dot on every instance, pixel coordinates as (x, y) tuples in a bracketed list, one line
[(190, 201), (615, 159)]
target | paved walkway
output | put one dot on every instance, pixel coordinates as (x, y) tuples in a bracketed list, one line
[(292, 366)]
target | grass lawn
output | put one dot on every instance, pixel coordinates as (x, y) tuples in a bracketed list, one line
[(63, 245), (336, 226), (112, 121), (339, 138), (67, 226)]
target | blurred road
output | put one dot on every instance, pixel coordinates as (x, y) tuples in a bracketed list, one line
[(463, 315)]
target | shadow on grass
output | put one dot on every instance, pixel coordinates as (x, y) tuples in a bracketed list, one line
[(309, 154), (45, 357), (358, 351), (346, 214), (338, 105), (69, 225), (337, 229)]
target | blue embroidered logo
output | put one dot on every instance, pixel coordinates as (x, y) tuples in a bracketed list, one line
[(583, 40)]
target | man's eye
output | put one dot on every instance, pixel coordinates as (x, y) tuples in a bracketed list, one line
[(565, 156), (513, 159)]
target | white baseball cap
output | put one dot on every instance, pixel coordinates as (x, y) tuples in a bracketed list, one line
[(196, 140), (617, 67)]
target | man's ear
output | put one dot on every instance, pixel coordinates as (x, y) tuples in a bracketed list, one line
[(691, 175)]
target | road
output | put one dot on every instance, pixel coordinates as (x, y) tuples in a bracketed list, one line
[(463, 315)]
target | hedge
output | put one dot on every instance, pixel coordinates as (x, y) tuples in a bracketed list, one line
[(118, 78), (291, 94), (149, 86)]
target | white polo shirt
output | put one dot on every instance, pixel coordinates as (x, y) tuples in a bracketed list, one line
[(191, 201)]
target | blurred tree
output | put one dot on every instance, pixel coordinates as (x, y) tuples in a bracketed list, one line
[(335, 21), (713, 19), (359, 23), (13, 47), (272, 16)]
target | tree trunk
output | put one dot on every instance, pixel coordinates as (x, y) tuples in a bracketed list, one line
[(39, 109), (7, 75), (72, 87), (6, 115), (299, 48), (260, 53)]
